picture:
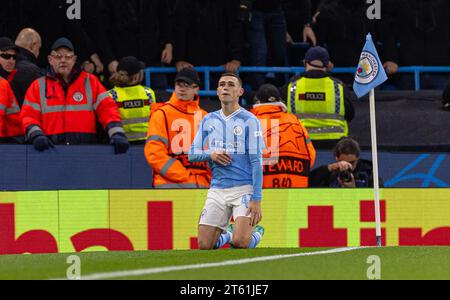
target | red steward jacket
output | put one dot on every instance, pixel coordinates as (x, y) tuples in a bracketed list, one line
[(10, 122), (69, 113)]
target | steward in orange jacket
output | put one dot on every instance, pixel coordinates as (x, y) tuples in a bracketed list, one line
[(64, 106), (172, 129), (10, 122), (290, 155)]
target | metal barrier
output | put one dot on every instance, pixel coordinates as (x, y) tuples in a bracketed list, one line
[(416, 70)]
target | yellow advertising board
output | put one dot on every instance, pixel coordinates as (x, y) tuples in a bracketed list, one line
[(76, 221)]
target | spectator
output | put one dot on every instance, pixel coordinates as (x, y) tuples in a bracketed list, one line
[(300, 25), (208, 33), (321, 102), (133, 99), (341, 27), (10, 124), (172, 129), (291, 154), (62, 107), (50, 19), (267, 32), (299, 20), (139, 28), (29, 44), (416, 33), (90, 23), (350, 171)]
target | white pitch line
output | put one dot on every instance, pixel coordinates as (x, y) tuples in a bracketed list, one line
[(134, 273)]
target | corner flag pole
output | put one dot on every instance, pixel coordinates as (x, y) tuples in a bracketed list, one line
[(376, 181)]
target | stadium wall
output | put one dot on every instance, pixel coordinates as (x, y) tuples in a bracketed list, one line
[(121, 220), (97, 168)]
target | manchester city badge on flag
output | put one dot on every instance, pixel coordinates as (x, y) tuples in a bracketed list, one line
[(370, 72)]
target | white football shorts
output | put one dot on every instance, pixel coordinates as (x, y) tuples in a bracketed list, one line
[(222, 204)]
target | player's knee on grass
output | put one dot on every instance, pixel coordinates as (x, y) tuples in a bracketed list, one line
[(205, 244), (241, 242), (242, 233), (208, 237)]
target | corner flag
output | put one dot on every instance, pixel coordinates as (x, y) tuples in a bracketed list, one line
[(369, 75), (370, 72)]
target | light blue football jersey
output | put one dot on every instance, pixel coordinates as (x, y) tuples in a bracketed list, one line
[(240, 135)]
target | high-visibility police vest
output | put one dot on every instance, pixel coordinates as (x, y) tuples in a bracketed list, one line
[(319, 104), (134, 106)]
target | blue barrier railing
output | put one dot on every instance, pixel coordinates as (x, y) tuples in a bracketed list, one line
[(416, 70)]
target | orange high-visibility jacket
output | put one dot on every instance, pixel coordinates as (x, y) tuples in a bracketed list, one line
[(10, 121), (69, 114), (171, 131), (290, 155)]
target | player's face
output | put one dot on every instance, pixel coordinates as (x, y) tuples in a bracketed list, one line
[(229, 90)]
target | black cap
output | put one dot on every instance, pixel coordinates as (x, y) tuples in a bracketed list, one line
[(188, 75), (318, 53), (131, 65), (268, 93), (63, 43), (7, 44)]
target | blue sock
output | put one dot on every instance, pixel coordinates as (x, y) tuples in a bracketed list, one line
[(223, 240), (256, 239)]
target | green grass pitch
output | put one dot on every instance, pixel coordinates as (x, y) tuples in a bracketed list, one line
[(396, 263)]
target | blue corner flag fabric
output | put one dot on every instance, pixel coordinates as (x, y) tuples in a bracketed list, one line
[(370, 72)]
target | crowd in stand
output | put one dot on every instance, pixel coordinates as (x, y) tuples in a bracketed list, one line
[(236, 32), (229, 33)]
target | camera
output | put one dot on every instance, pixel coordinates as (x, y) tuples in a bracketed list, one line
[(345, 176)]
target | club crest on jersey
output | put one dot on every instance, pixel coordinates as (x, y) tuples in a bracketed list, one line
[(368, 68), (238, 131), (78, 97)]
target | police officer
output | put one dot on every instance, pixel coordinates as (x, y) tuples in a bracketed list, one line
[(320, 101), (133, 100)]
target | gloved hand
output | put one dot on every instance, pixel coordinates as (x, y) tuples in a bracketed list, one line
[(120, 143), (42, 143)]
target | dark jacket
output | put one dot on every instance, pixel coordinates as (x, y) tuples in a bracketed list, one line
[(298, 13), (342, 27), (10, 18), (348, 98), (49, 18), (363, 173), (207, 32), (266, 5), (27, 72), (416, 32), (139, 28)]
